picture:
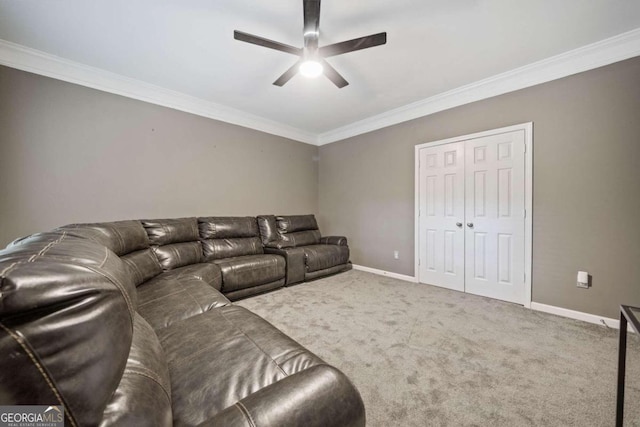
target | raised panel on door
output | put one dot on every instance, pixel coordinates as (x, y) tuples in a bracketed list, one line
[(494, 216), (441, 198)]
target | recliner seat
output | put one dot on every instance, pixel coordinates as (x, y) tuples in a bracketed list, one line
[(233, 244), (309, 255)]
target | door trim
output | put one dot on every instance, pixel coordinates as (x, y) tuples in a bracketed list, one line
[(528, 196)]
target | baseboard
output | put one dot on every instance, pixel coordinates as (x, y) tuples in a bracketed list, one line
[(386, 273), (558, 311), (578, 315)]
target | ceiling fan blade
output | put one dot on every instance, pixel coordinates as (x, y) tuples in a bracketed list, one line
[(333, 75), (287, 75), (311, 27), (352, 45), (260, 41)]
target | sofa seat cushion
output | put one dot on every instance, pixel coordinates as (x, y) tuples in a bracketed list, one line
[(320, 257), (220, 357), (250, 270), (180, 293)]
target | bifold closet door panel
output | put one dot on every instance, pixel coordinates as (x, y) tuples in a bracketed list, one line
[(494, 216), (441, 232)]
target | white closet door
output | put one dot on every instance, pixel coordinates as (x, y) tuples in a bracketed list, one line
[(441, 239), (494, 216)]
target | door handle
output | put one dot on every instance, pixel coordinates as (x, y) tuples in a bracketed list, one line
[(470, 224), (458, 224)]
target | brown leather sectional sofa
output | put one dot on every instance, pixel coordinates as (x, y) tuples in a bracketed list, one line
[(130, 323)]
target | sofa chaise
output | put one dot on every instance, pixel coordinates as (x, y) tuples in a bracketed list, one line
[(125, 324)]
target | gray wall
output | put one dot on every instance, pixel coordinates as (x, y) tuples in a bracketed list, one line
[(73, 154), (586, 184)]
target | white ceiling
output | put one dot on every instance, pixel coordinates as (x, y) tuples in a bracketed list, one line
[(434, 46)]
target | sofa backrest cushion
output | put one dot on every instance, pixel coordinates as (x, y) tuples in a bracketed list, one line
[(226, 237), (175, 241), (144, 265), (66, 323), (293, 223), (268, 227), (301, 230), (128, 239), (122, 237)]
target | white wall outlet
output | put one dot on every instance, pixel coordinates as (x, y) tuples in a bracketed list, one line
[(582, 281), (396, 255)]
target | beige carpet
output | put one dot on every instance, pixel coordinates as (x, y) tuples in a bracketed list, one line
[(426, 356)]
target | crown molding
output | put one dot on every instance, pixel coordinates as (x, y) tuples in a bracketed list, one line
[(605, 52), (599, 54), (34, 61)]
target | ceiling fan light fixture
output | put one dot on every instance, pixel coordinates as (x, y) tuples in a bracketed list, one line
[(312, 56), (311, 68)]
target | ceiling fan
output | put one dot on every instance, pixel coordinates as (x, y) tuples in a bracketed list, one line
[(312, 61)]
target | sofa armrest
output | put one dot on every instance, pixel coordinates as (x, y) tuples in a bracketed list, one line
[(333, 240), (316, 397), (296, 263), (280, 244)]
